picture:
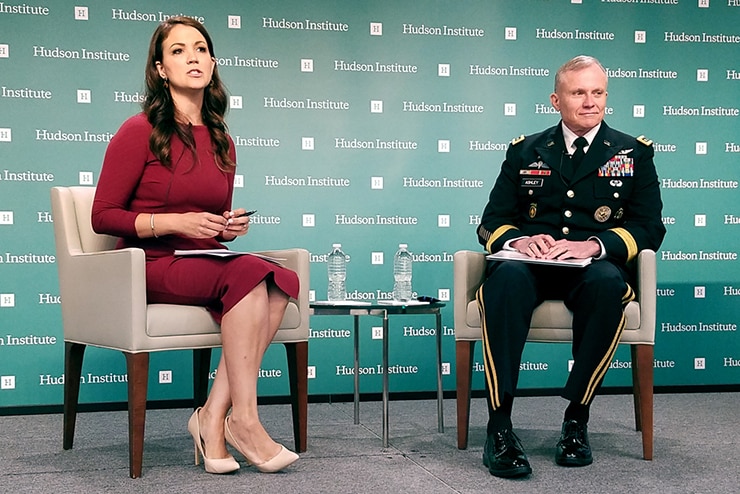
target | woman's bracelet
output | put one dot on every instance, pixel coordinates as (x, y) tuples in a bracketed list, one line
[(151, 224)]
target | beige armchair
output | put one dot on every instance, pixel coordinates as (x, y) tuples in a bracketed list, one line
[(104, 304), (551, 322)]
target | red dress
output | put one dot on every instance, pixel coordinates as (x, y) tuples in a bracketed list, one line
[(133, 181)]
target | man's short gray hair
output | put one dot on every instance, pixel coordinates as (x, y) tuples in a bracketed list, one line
[(576, 63)]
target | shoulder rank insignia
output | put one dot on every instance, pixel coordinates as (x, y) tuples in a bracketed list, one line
[(644, 140), (517, 140)]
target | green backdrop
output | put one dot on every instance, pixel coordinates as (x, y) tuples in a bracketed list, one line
[(374, 123)]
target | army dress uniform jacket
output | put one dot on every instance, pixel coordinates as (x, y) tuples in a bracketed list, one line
[(614, 195)]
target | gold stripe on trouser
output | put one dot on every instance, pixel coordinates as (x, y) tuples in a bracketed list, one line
[(490, 369), (603, 366)]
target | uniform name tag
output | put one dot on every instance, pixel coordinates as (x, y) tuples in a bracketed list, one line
[(533, 182)]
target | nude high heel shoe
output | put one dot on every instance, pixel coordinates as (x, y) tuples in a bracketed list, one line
[(284, 458), (212, 465)]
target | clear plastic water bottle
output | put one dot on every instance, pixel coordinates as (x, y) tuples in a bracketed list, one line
[(337, 267), (402, 273)]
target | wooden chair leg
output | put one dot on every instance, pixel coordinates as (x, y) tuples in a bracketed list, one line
[(298, 377), (463, 359), (642, 360), (636, 387), (201, 370), (73, 354), (137, 366)]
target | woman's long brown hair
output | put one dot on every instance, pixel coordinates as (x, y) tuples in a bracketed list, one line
[(160, 109)]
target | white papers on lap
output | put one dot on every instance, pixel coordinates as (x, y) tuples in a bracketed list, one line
[(226, 253), (511, 255)]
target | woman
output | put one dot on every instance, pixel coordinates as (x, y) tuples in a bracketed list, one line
[(166, 184)]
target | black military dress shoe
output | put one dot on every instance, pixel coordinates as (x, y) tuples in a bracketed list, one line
[(573, 449), (504, 456)]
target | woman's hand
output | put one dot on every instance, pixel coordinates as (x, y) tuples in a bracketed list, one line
[(201, 225), (237, 223)]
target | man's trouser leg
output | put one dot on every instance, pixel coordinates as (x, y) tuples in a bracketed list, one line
[(506, 301), (597, 299)]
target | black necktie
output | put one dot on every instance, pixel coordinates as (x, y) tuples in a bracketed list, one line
[(577, 157)]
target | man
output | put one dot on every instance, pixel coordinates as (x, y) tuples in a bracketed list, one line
[(552, 201)]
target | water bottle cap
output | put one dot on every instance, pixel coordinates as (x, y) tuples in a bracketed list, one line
[(336, 246), (403, 246)]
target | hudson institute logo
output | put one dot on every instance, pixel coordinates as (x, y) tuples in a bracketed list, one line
[(508, 71), (126, 97), (680, 327), (442, 183), (444, 107), (28, 340), (461, 31), (329, 333), (249, 62), (577, 34), (355, 219), (81, 54), (684, 37), (64, 136), (679, 255), (27, 258), (304, 25), (641, 73), (307, 181), (412, 331), (89, 378), (256, 142), (26, 176), (24, 93), (377, 66), (23, 9), (487, 146), (138, 16), (304, 104), (344, 370), (700, 111), (679, 183), (378, 144)]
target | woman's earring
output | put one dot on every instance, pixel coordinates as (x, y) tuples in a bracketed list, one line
[(166, 83)]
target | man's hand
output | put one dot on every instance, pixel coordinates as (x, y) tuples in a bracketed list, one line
[(546, 247), (535, 246), (568, 249)]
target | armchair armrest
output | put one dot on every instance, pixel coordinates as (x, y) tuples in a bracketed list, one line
[(104, 296), (468, 271), (647, 284)]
